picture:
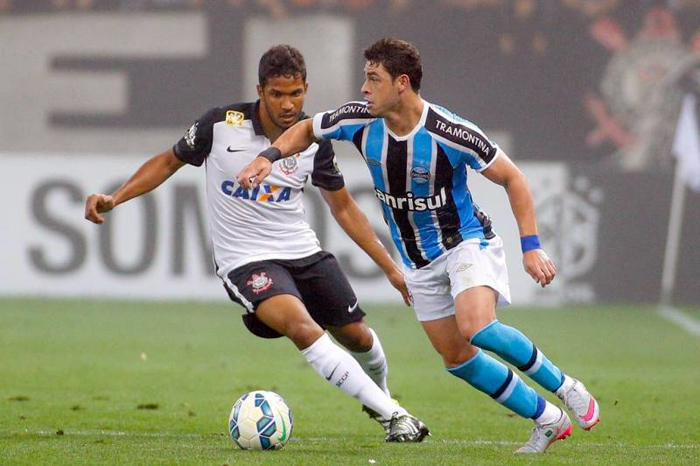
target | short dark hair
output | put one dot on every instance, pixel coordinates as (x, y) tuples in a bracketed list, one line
[(281, 60), (398, 57)]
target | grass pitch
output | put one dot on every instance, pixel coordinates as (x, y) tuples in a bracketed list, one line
[(87, 382)]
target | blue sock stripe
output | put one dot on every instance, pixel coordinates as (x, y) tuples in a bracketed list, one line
[(531, 362), (495, 395), (546, 374), (541, 403), (492, 377), (535, 368), (514, 347)]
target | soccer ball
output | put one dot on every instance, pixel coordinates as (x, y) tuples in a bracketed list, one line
[(260, 420)]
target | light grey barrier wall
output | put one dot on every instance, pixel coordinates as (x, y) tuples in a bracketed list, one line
[(604, 232), (157, 246)]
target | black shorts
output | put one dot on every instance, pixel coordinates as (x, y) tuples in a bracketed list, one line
[(317, 280)]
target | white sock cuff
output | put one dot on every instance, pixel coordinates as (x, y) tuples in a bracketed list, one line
[(567, 384), (317, 348), (371, 354)]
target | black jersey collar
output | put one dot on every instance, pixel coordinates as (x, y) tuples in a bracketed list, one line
[(255, 118), (257, 124)]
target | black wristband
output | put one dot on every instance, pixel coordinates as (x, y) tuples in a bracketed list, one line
[(271, 153)]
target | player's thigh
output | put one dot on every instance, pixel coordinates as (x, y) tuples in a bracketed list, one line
[(268, 292), (287, 315), (326, 292), (448, 341)]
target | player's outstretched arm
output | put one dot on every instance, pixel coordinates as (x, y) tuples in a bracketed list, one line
[(296, 139), (504, 172), (151, 174), (354, 222)]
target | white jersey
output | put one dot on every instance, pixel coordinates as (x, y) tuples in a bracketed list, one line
[(267, 222)]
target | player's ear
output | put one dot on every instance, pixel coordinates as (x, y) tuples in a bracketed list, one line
[(404, 82), (260, 91)]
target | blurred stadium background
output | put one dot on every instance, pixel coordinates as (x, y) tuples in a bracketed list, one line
[(585, 95)]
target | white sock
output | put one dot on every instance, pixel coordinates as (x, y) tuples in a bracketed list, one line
[(551, 413), (374, 363), (567, 384), (341, 370)]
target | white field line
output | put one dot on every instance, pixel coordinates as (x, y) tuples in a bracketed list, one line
[(476, 442), (681, 319)]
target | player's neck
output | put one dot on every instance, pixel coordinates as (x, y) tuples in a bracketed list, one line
[(272, 131), (402, 119)]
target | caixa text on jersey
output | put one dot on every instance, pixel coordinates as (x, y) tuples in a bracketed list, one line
[(262, 193)]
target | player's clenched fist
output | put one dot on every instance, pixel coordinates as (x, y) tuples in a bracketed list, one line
[(253, 174), (539, 266), (97, 204)]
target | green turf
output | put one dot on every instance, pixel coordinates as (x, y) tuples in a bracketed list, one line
[(73, 373)]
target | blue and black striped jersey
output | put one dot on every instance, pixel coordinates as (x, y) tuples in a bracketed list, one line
[(420, 178)]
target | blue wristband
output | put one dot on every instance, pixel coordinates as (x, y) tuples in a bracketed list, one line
[(528, 243)]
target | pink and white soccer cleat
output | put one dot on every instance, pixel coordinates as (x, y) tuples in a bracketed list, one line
[(543, 435), (581, 403)]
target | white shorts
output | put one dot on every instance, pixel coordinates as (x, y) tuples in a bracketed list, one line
[(471, 263)]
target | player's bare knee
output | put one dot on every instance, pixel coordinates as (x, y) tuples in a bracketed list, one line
[(471, 320), (456, 356), (304, 334), (354, 336)]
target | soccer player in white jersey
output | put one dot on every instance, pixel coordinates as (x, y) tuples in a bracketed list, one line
[(417, 154), (266, 254)]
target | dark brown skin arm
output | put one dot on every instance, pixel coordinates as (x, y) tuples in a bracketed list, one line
[(149, 176), (355, 223)]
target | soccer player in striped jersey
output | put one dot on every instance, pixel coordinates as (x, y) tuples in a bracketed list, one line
[(267, 256), (417, 154)]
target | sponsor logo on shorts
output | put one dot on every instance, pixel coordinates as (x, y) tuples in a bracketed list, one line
[(260, 282), (462, 267)]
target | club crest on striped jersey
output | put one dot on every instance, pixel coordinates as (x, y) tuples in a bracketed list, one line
[(260, 282), (420, 175)]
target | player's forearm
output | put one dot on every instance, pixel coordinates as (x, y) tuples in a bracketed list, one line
[(355, 224), (148, 177), (522, 204), (296, 139)]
